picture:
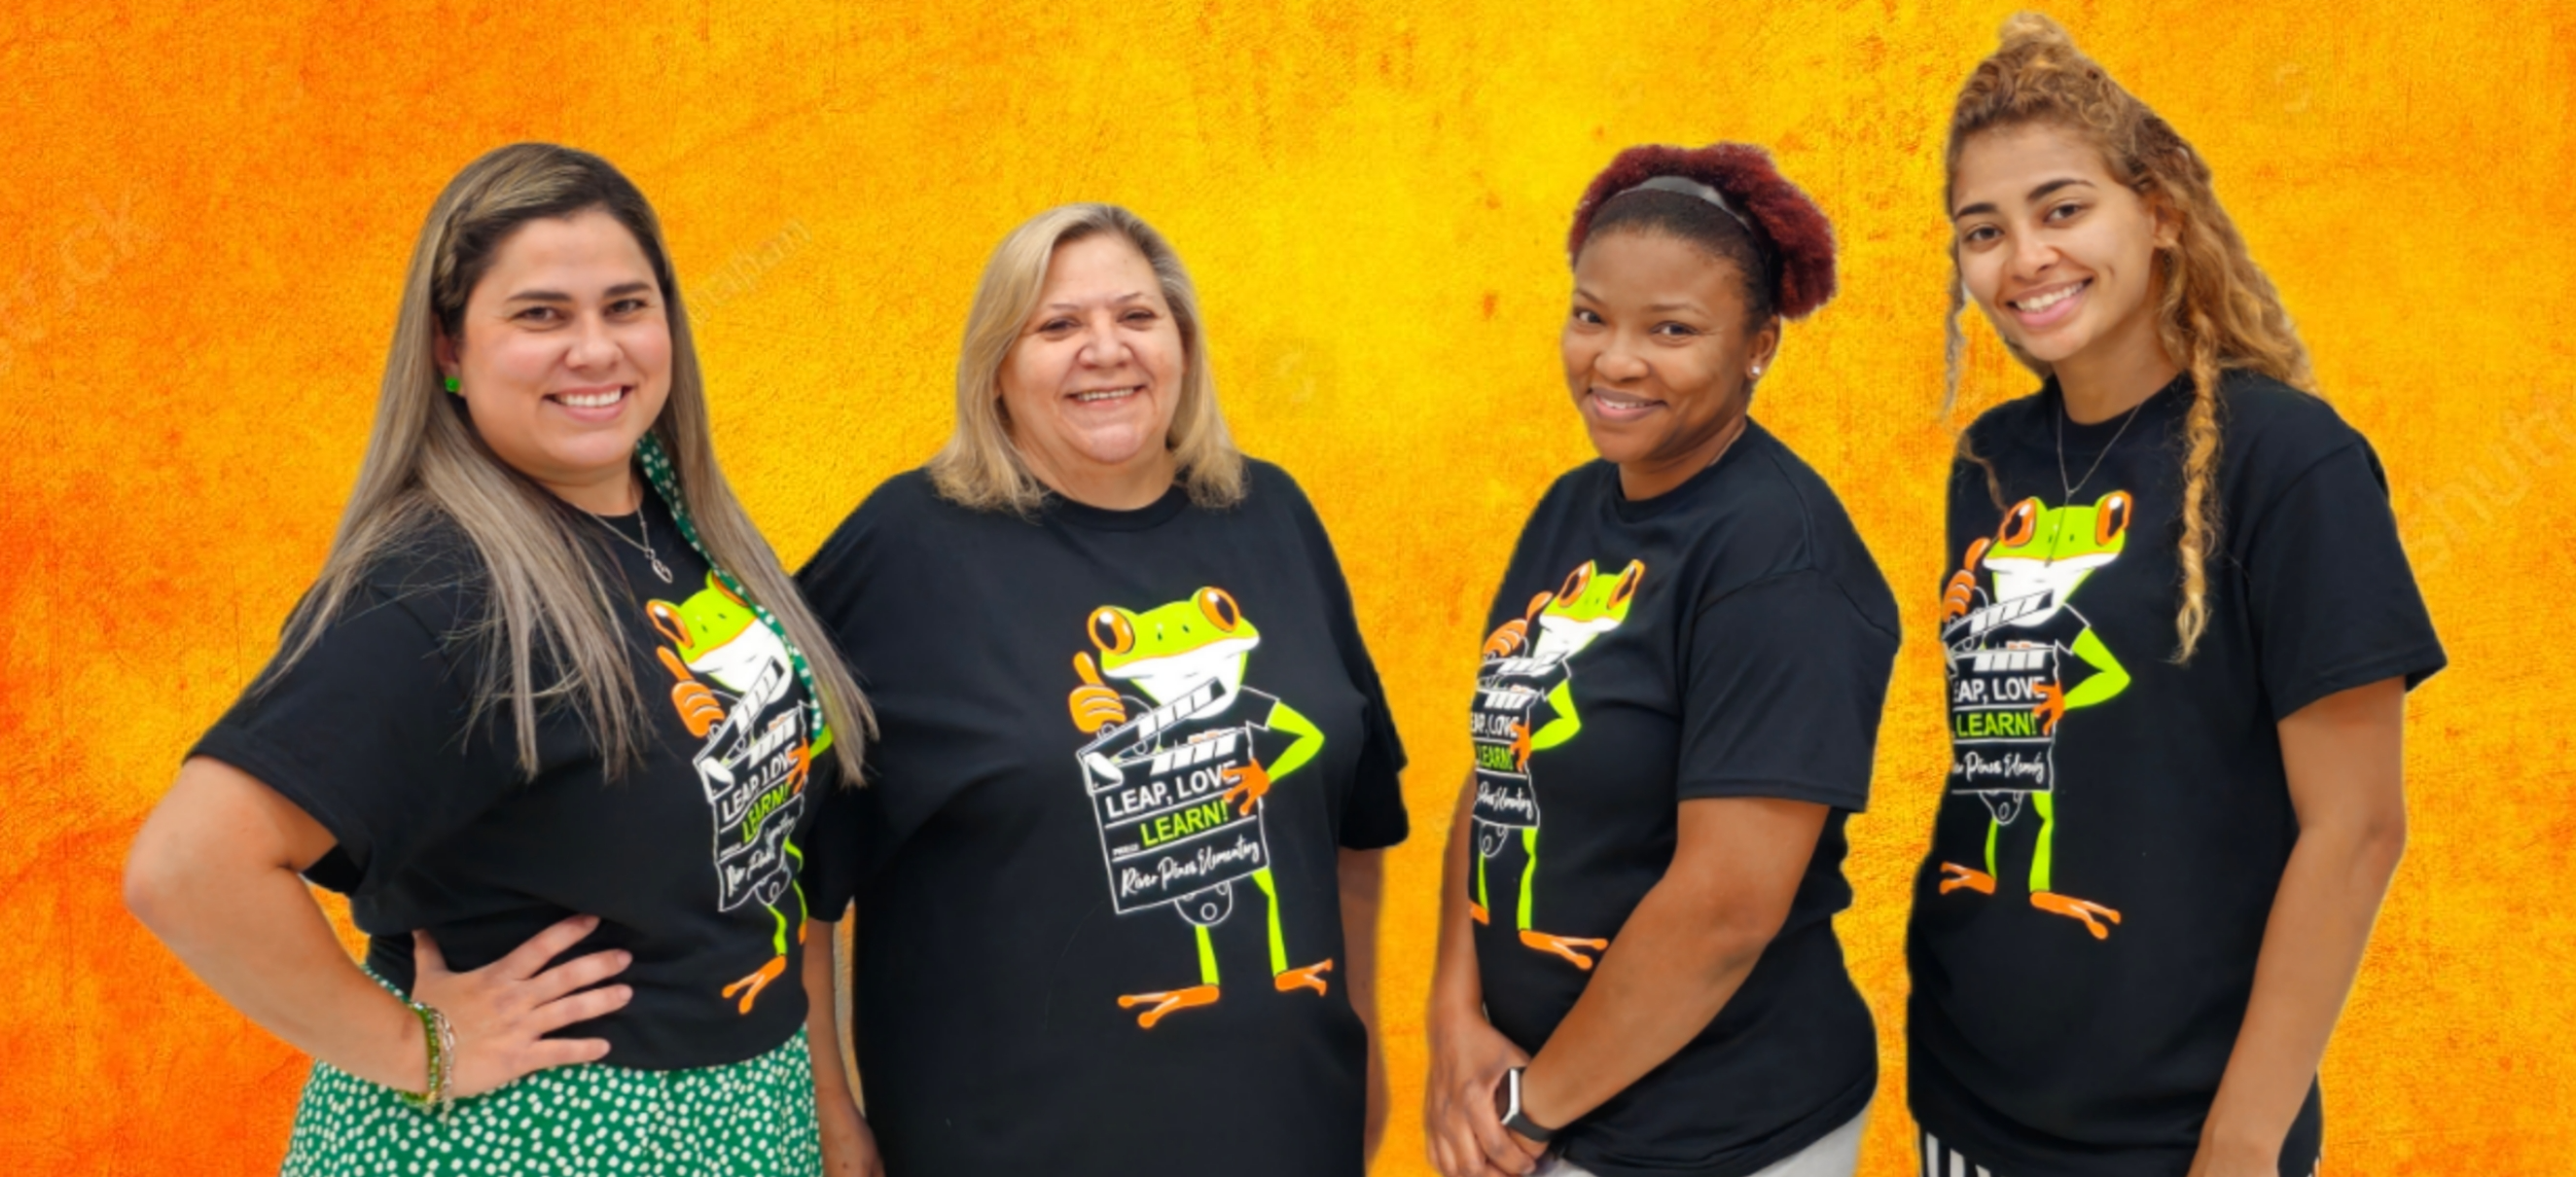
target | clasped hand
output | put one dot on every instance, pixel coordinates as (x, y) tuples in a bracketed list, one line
[(1464, 1135)]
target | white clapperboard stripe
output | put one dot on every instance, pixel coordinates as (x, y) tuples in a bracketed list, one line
[(1983, 621), (1150, 861)]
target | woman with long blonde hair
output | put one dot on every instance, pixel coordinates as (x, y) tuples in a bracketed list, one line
[(2178, 637), (551, 717)]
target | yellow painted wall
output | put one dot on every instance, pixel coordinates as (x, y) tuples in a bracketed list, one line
[(206, 216)]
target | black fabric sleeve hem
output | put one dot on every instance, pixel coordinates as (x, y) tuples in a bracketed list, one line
[(1377, 826), (2414, 665), (1719, 788), (1374, 814), (1356, 839), (278, 769)]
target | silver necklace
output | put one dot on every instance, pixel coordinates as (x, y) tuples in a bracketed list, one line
[(2062, 484), (644, 545)]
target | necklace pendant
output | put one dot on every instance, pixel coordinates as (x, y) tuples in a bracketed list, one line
[(661, 569)]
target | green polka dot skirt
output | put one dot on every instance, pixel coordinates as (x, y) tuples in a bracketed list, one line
[(750, 1119)]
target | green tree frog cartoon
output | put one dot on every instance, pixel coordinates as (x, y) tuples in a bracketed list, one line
[(755, 760), (1519, 674), (1177, 776), (2012, 650)]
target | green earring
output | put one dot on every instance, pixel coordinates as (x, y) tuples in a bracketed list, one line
[(451, 385)]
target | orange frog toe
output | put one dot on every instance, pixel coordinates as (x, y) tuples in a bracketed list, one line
[(1167, 1002), (1309, 977), (2083, 910), (1955, 877), (1564, 946), (749, 987)]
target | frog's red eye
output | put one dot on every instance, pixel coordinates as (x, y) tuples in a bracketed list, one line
[(2020, 524), (1575, 582), (2110, 518), (1111, 631), (668, 620), (1220, 608), (1628, 581)]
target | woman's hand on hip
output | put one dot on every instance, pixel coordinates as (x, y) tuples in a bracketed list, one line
[(502, 1012), (1464, 1136)]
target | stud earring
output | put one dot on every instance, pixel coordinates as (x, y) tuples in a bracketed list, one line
[(451, 386)]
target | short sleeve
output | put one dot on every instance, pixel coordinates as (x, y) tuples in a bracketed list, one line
[(2332, 599), (836, 584), (1374, 817), (832, 867), (368, 734), (1783, 683), (831, 582)]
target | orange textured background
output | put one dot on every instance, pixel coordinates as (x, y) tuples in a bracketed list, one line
[(206, 218)]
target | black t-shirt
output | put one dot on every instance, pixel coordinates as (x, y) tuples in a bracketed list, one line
[(1730, 638), (1083, 945), (2086, 923), (689, 858)]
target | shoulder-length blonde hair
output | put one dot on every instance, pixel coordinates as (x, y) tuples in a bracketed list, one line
[(981, 467), (2218, 311), (548, 634)]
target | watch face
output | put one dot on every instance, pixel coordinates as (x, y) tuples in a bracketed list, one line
[(1507, 1095)]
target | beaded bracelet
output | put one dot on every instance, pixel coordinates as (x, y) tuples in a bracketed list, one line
[(440, 1039)]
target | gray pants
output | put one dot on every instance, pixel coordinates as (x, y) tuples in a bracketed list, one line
[(1837, 1155)]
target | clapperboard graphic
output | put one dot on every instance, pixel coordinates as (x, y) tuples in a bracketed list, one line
[(1166, 827), (1997, 743), (1981, 622), (744, 766), (1508, 694)]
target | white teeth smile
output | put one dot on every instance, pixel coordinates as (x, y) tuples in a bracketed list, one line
[(591, 400), (1617, 403), (1105, 394), (2037, 303)]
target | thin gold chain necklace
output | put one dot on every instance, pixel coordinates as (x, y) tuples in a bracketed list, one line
[(2069, 488)]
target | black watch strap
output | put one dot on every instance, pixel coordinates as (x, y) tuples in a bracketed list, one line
[(1507, 1106)]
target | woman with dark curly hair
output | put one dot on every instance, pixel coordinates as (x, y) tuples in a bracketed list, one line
[(2179, 637), (1673, 717)]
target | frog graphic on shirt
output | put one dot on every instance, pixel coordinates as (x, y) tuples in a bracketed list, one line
[(2012, 650), (1520, 675), (1176, 778), (755, 760)]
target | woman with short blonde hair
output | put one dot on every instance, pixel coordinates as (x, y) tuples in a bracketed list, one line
[(1116, 877), (980, 466)]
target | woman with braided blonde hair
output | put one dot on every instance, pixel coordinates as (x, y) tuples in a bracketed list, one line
[(2179, 637)]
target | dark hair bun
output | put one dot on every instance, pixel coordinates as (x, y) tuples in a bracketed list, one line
[(1792, 228)]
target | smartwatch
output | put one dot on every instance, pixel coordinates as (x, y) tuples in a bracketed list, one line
[(1507, 1107)]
